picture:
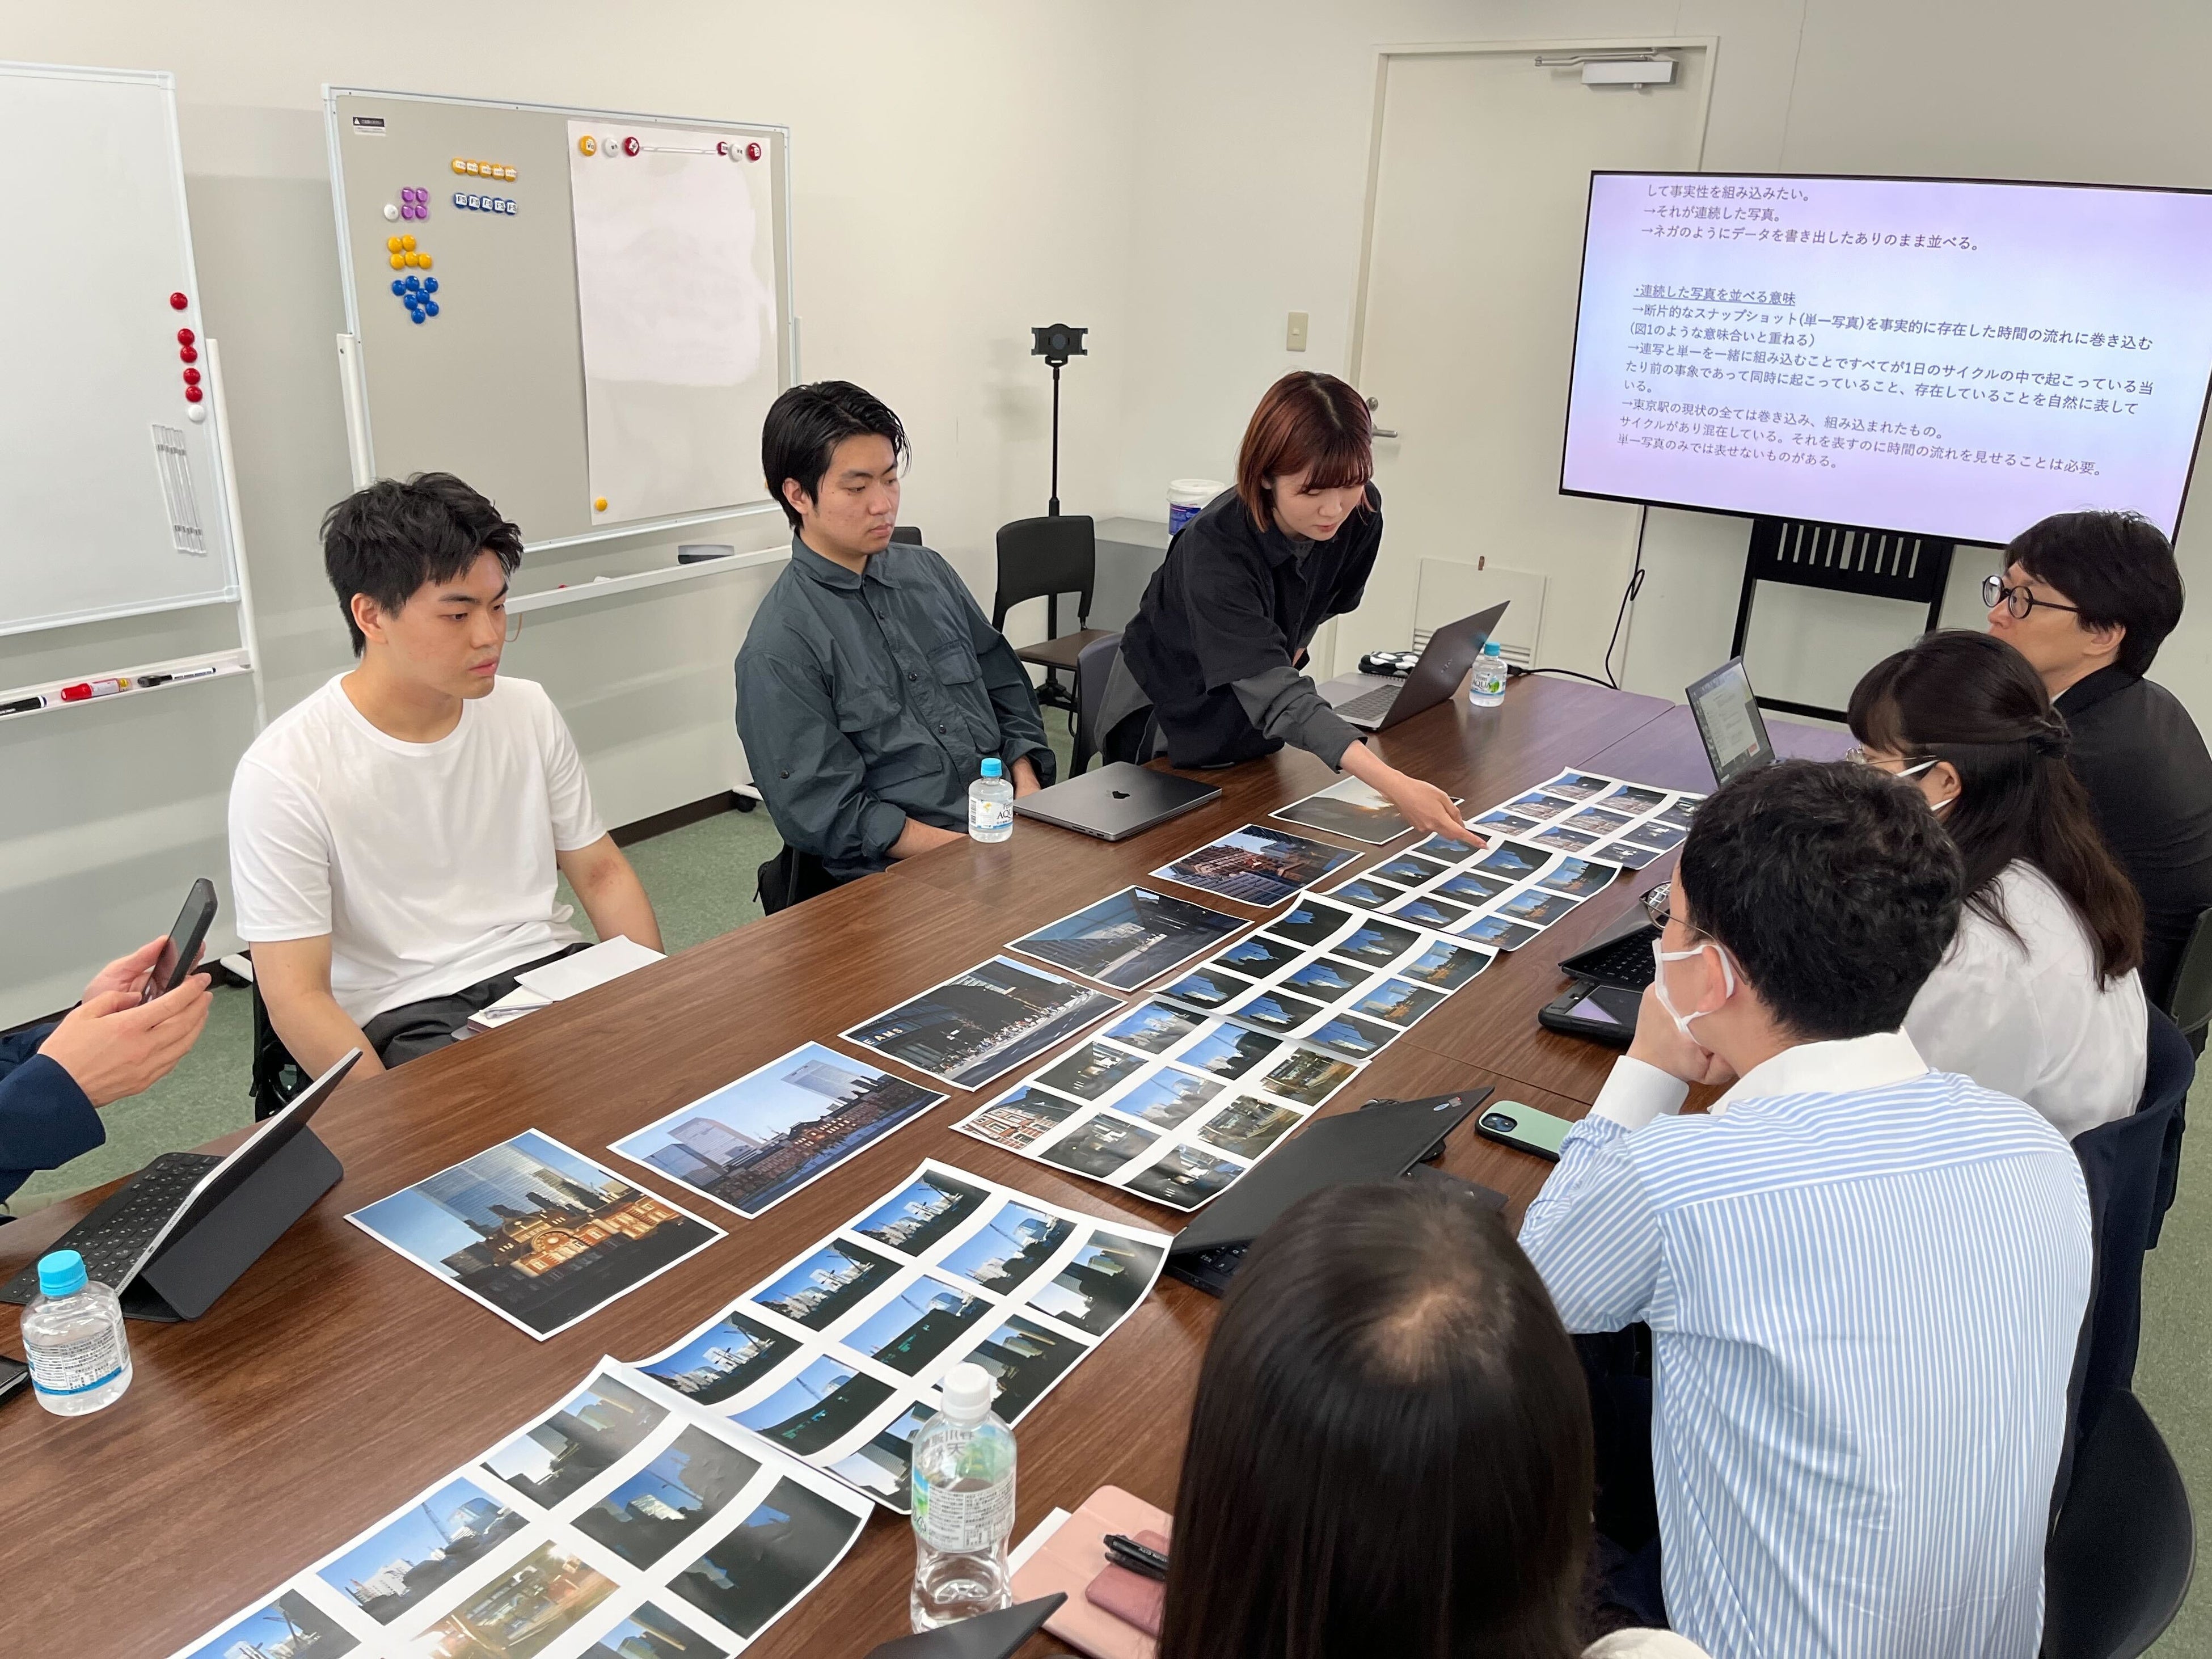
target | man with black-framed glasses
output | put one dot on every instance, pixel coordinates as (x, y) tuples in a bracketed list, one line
[(2087, 599)]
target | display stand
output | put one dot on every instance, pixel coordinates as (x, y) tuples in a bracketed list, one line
[(1884, 564)]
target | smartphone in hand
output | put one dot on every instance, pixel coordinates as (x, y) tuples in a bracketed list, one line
[(180, 951)]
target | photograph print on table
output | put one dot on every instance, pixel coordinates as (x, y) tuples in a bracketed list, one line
[(667, 1502), (1011, 1246), (286, 1625), (1207, 987), (1258, 956), (753, 1143), (1366, 892), (1256, 865), (1352, 809), (1183, 1178), (1128, 938), (820, 1406), (922, 1211), (544, 1596), (818, 1290), (1309, 922), (536, 1231), (1020, 1115), (647, 1632), (768, 1560), (1091, 1070), (395, 1569), (1155, 1028), (723, 1360), (981, 1025), (576, 1442)]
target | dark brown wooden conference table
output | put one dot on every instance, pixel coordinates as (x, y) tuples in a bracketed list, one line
[(335, 1379)]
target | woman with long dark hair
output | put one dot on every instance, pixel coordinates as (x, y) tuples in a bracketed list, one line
[(2039, 996), (1218, 641), (1390, 1449)]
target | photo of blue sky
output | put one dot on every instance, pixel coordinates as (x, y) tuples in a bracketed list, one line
[(430, 1230)]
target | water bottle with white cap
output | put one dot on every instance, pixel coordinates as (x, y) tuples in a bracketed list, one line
[(963, 1504), (73, 1339)]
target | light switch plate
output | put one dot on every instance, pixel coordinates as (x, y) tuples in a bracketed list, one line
[(1294, 337)]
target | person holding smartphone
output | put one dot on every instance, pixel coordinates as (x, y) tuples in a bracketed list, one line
[(1218, 643), (115, 1043)]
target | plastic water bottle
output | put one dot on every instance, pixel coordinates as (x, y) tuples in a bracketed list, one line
[(73, 1337), (991, 804), (1487, 689), (963, 1504)]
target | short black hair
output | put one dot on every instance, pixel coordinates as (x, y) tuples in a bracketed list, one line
[(387, 540), (806, 425), (1832, 886), (1390, 1449), (2119, 568)]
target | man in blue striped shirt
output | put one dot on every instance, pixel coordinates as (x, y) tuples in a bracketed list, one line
[(1864, 1280)]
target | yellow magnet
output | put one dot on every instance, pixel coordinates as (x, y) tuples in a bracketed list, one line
[(422, 260), (407, 244), (459, 165), (392, 244), (600, 505), (398, 260), (589, 145)]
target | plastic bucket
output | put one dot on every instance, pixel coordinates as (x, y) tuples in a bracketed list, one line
[(1187, 498)]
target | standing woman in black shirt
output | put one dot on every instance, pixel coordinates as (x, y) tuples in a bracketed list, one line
[(1219, 641)]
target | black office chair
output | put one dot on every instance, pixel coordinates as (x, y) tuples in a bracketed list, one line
[(2131, 1166), (275, 1076), (906, 532), (1042, 559), (2119, 1560), (791, 877), (2189, 998), (1094, 666)]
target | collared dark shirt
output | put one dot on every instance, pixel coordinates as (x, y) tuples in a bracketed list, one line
[(2149, 779), (1231, 601), (45, 1118), (865, 700)]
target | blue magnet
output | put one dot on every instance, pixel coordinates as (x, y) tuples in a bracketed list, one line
[(430, 306), (429, 285), (458, 201), (398, 287), (510, 207), (415, 316), (413, 283)]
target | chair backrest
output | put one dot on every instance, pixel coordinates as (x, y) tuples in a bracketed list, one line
[(1094, 666), (2119, 1560), (2189, 998), (275, 1077), (1040, 558), (906, 532), (790, 877), (2130, 1166)]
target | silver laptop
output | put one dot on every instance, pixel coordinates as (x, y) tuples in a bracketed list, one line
[(1729, 721), (1116, 801), (1376, 702)]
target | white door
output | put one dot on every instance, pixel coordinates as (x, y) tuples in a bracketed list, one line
[(1481, 183)]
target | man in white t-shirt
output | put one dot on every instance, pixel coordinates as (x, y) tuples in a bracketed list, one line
[(395, 837)]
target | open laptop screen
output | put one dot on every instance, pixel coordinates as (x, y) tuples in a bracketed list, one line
[(1728, 720)]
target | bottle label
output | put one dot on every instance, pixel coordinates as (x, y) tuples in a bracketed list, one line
[(76, 1367), (988, 815), (963, 1522)]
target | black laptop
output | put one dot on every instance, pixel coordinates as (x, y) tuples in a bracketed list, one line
[(1116, 801), (1376, 702), (1385, 1140), (986, 1636), (177, 1234)]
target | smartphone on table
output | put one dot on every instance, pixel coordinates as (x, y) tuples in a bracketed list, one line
[(1524, 1128), (180, 951)]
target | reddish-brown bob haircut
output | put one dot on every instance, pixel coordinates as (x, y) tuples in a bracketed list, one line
[(1306, 420)]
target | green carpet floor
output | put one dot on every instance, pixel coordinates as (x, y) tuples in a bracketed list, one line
[(700, 881)]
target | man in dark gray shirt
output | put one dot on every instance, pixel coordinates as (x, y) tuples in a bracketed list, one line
[(871, 687), (2087, 599)]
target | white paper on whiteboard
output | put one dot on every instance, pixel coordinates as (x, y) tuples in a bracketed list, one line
[(675, 288)]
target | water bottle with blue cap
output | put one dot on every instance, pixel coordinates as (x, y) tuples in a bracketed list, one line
[(73, 1339), (991, 804)]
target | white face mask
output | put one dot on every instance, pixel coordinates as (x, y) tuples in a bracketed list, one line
[(1661, 956), (1914, 772)]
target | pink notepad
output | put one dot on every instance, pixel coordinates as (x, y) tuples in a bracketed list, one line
[(1074, 1556)]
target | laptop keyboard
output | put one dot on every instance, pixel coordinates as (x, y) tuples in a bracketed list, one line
[(1210, 1270), (1626, 963), (111, 1238), (1371, 705)]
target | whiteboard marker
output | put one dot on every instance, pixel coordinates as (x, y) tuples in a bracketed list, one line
[(84, 689), (23, 705), (144, 680)]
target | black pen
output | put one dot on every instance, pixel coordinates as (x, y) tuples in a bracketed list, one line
[(1126, 1552), (22, 705)]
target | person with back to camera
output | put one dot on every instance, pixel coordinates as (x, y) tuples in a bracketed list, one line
[(1390, 1452), (1864, 1279), (2038, 995), (1219, 640), (2087, 599)]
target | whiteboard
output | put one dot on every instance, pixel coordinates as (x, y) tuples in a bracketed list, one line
[(612, 310), (111, 501)]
